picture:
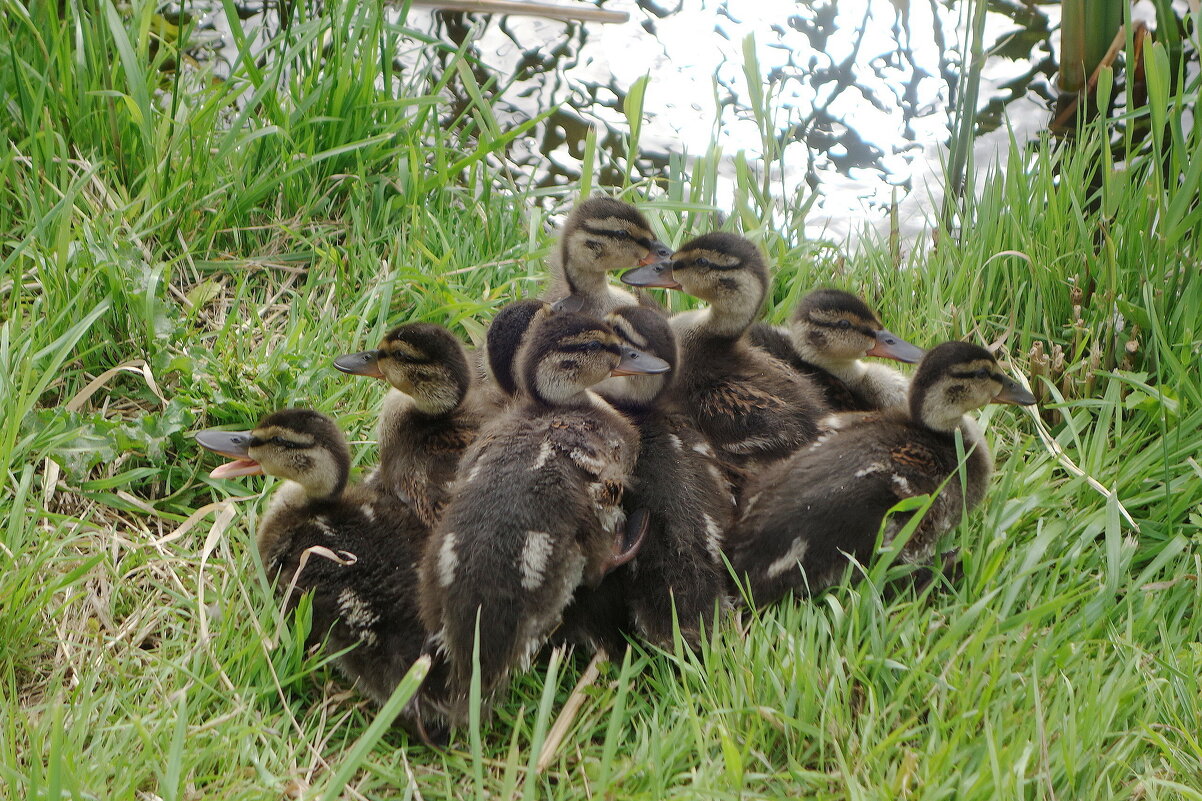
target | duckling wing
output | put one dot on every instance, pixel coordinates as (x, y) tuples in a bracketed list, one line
[(679, 481), (529, 519), (828, 502)]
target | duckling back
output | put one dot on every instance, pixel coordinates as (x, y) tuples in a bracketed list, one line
[(536, 509), (534, 515)]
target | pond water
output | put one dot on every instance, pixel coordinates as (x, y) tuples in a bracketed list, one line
[(862, 90)]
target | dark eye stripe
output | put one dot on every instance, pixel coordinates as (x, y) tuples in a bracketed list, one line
[(619, 234), (976, 374), (587, 347), (862, 329)]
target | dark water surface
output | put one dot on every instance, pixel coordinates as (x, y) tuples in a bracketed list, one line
[(861, 90)]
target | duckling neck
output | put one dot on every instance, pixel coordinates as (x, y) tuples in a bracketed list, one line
[(716, 321), (929, 413), (849, 371), (589, 283)]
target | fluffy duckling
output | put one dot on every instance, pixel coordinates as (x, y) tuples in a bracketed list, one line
[(831, 332), (601, 235), (750, 406), (679, 482), (827, 502), (504, 338), (368, 598), (537, 505), (428, 417)]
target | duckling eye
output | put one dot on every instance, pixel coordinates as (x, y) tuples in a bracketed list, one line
[(702, 261), (984, 373), (592, 347), (844, 324), (621, 234)]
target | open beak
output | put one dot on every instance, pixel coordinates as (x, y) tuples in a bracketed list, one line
[(657, 274), (890, 346), (365, 363), (656, 252), (635, 362), (1012, 392), (233, 445)]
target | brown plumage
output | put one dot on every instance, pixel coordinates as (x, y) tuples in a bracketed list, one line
[(831, 332), (601, 235), (679, 483), (365, 598), (750, 406), (536, 509), (428, 418), (831, 498)]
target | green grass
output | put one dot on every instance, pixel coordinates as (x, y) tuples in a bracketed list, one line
[(223, 239)]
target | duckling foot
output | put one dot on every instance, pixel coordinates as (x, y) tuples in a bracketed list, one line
[(629, 539)]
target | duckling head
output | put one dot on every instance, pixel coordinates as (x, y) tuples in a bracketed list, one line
[(568, 353), (643, 329), (831, 327), (299, 445), (422, 360), (505, 336), (601, 235), (955, 378), (723, 269)]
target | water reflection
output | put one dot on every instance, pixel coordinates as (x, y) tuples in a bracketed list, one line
[(859, 89)]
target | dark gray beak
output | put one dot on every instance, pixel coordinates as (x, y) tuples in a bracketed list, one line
[(364, 363), (658, 274), (890, 346), (1012, 392)]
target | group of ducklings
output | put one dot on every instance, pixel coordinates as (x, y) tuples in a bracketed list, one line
[(592, 474)]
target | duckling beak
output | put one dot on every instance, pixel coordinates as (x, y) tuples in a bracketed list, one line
[(657, 274), (366, 363), (234, 445), (657, 252), (635, 362), (1012, 392), (890, 346)]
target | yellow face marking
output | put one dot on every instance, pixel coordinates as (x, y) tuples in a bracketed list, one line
[(404, 348), (626, 331), (618, 224), (716, 257), (286, 434), (833, 318)]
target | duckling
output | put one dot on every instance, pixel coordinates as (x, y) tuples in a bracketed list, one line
[(428, 418), (601, 235), (367, 599), (679, 482), (536, 509), (830, 333), (827, 502), (504, 339), (750, 406)]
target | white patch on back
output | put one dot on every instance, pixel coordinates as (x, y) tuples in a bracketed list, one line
[(544, 453), (713, 537), (357, 614), (448, 560), (704, 449), (587, 461), (323, 526), (675, 441), (792, 556), (903, 486), (875, 467), (368, 512), (536, 554)]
